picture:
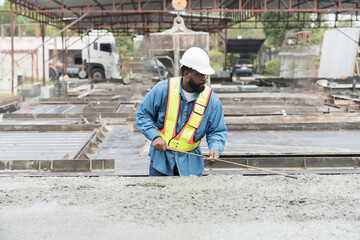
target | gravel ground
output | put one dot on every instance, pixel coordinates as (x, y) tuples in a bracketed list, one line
[(210, 207)]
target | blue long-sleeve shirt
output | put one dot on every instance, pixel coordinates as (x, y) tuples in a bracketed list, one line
[(151, 115)]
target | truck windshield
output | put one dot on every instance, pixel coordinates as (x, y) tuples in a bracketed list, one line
[(105, 47)]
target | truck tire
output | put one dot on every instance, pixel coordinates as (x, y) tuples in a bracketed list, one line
[(97, 74), (53, 74)]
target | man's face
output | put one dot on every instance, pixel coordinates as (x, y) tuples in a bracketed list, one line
[(197, 81)]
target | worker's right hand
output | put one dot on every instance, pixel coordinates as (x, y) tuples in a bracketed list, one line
[(159, 144)]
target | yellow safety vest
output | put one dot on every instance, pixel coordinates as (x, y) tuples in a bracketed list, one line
[(184, 140)]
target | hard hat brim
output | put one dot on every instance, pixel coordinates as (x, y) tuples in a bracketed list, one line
[(206, 71)]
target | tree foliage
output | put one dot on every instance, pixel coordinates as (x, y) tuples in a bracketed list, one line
[(5, 18), (243, 30), (125, 47), (272, 67), (277, 24)]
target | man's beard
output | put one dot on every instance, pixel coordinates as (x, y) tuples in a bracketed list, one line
[(195, 87)]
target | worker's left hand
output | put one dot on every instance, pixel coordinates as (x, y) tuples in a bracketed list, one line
[(212, 156)]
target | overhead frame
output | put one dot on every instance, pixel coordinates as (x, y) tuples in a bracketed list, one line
[(145, 16), (152, 16)]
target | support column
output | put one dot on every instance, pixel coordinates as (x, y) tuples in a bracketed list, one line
[(55, 56), (176, 55), (12, 30), (32, 66), (258, 70), (42, 26), (65, 43), (63, 52), (37, 65), (225, 49)]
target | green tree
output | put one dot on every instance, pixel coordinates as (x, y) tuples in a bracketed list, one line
[(245, 30), (25, 30), (272, 68), (5, 17), (276, 25), (125, 47)]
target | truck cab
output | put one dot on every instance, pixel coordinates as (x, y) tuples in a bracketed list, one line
[(100, 57)]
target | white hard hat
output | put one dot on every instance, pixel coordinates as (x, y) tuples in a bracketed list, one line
[(197, 59)]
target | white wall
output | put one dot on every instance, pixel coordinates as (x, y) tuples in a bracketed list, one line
[(24, 67), (338, 53)]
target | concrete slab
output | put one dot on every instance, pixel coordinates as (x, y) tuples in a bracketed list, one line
[(56, 108), (287, 142), (38, 121), (40, 145)]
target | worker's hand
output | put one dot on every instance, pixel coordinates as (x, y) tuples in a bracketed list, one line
[(212, 156), (159, 144)]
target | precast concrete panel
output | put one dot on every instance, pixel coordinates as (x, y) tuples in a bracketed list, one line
[(169, 46), (39, 146), (338, 53)]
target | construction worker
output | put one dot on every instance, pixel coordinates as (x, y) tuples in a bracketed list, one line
[(177, 113)]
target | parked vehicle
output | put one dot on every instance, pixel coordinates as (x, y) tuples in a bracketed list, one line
[(242, 67), (100, 59), (153, 67)]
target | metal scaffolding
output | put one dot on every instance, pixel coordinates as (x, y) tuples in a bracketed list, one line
[(145, 16), (150, 16)]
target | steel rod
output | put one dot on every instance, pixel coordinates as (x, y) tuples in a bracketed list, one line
[(238, 164)]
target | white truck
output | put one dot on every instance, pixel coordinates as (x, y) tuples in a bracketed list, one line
[(100, 60)]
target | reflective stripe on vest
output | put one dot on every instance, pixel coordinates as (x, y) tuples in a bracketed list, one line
[(184, 140)]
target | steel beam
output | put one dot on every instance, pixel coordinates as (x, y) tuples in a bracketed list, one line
[(108, 15), (12, 32)]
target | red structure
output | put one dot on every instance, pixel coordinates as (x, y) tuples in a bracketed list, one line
[(145, 16), (149, 16), (34, 59), (20, 27)]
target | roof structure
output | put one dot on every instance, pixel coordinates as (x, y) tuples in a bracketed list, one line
[(154, 15), (244, 45)]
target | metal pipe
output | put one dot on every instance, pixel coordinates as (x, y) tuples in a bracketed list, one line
[(42, 26), (12, 30), (238, 164)]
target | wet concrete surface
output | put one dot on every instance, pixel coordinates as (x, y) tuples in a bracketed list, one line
[(178, 208)]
